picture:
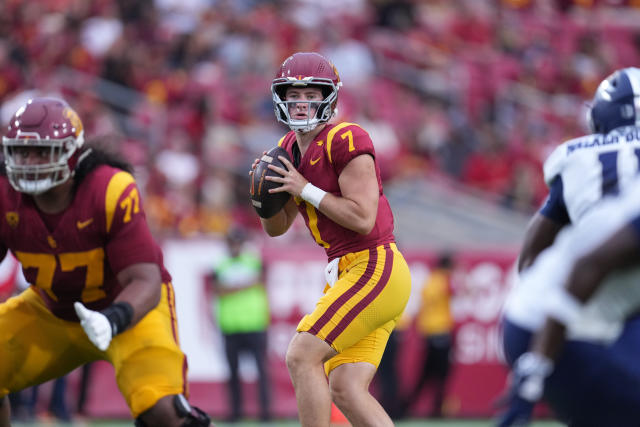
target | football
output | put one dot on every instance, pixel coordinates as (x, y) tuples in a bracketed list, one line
[(265, 203)]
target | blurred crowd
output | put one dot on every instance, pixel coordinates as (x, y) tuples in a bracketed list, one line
[(478, 91)]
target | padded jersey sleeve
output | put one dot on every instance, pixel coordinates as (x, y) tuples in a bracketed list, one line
[(554, 164), (345, 142), (129, 240), (554, 207)]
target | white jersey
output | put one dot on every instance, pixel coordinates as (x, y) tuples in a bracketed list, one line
[(593, 166), (602, 318)]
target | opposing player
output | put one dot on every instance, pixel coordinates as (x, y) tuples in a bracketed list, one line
[(336, 187), (584, 287), (72, 215), (582, 171)]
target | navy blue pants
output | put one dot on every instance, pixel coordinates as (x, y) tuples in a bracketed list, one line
[(592, 384)]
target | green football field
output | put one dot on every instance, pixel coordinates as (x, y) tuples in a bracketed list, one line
[(284, 423)]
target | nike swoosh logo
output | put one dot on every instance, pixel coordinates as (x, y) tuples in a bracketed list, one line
[(83, 224), (314, 161)]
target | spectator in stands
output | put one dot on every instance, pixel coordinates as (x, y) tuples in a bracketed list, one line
[(511, 64), (242, 313)]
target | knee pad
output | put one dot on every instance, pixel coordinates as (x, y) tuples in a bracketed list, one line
[(193, 416)]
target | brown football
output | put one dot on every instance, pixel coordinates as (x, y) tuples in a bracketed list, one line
[(265, 203)]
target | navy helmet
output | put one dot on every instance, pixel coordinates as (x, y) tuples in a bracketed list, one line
[(616, 102)]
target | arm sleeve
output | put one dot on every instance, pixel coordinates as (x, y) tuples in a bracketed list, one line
[(554, 207)]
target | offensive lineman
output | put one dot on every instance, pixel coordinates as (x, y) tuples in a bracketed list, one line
[(73, 217)]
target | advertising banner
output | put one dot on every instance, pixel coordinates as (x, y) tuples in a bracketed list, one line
[(294, 281)]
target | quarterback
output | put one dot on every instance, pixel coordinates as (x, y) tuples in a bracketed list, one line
[(336, 187), (73, 217)]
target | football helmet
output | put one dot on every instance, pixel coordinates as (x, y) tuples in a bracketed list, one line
[(616, 101), (305, 69), (51, 131)]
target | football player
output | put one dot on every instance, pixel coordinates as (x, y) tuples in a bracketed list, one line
[(582, 171), (335, 182), (72, 215), (584, 287), (592, 380)]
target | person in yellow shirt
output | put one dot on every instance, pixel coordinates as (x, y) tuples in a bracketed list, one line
[(435, 323)]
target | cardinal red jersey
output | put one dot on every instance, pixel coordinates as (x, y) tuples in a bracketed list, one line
[(321, 165), (78, 255)]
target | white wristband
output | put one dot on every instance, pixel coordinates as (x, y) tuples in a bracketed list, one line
[(312, 194), (563, 307)]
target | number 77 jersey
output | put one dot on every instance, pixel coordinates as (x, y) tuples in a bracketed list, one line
[(582, 171), (76, 255)]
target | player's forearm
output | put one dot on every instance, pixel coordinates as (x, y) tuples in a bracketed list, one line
[(280, 222), (349, 214), (549, 341), (620, 251), (276, 225), (142, 288), (541, 233), (142, 296)]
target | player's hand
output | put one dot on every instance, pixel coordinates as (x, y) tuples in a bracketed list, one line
[(95, 325), (292, 181), (254, 165), (527, 386)]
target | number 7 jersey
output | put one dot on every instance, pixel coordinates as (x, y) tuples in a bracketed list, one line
[(323, 162), (101, 232), (582, 171)]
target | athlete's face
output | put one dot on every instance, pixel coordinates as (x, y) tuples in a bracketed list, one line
[(309, 98), (32, 155)]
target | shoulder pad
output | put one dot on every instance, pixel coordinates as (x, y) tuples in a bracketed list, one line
[(288, 139), (342, 126), (118, 183), (555, 163)]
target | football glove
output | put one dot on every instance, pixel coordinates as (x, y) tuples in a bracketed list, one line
[(527, 386), (96, 325)]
